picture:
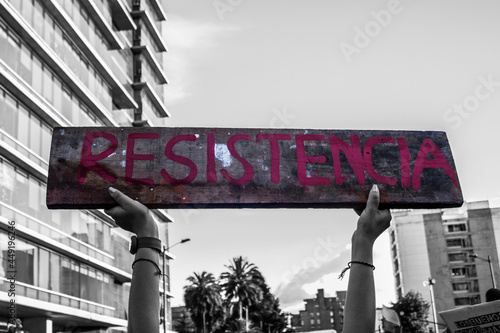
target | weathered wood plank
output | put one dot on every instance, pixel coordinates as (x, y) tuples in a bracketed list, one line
[(234, 168)]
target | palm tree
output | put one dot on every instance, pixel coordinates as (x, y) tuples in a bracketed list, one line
[(242, 283), (203, 299)]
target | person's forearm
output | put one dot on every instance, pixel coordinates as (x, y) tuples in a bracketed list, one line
[(144, 293), (359, 312)]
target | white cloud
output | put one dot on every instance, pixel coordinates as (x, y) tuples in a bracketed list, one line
[(188, 42)]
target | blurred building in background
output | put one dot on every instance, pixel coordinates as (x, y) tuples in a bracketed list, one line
[(451, 246), (321, 313), (181, 320), (71, 63)]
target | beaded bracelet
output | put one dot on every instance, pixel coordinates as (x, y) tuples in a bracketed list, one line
[(341, 276), (151, 261)]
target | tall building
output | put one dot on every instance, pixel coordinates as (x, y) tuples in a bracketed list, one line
[(323, 313), (71, 63), (451, 246)]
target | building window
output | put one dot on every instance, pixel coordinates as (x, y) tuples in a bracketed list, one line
[(396, 265), (469, 286), (394, 250), (42, 79), (43, 268), (468, 271), (460, 301), (457, 227), (312, 322), (318, 321), (456, 257), (458, 242), (461, 286)]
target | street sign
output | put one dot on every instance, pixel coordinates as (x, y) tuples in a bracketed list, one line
[(259, 168)]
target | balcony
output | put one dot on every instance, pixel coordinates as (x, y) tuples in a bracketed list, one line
[(120, 95), (156, 101), (150, 25), (33, 40), (18, 87), (121, 16), (35, 230), (154, 63)]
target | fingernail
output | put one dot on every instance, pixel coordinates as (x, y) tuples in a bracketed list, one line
[(111, 190), (375, 188)]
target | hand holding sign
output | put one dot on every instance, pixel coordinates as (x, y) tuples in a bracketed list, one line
[(372, 222), (131, 215)]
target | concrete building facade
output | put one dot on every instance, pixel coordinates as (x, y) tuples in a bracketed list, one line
[(322, 313), (71, 63), (450, 246)]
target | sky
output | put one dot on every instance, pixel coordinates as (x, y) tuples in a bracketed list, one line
[(367, 64)]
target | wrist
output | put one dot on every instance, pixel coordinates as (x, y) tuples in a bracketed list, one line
[(362, 250), (149, 229)]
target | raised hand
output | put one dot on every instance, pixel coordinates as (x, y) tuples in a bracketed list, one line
[(131, 215)]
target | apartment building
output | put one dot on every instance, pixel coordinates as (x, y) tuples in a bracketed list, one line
[(71, 63), (457, 248), (322, 313)]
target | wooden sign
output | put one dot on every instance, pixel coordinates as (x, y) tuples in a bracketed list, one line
[(238, 167)]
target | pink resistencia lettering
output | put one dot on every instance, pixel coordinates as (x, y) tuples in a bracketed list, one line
[(302, 159), (367, 153), (211, 173), (181, 160), (89, 161), (248, 170), (404, 152), (438, 161), (131, 157), (354, 158), (275, 152)]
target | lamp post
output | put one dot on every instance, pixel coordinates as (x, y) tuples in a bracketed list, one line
[(431, 282), (490, 264), (185, 240), (165, 276)]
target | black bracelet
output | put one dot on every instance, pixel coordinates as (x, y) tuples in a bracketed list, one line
[(354, 262), (151, 261)]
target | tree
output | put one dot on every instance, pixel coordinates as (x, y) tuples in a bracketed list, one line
[(203, 299), (267, 312), (242, 283), (413, 311)]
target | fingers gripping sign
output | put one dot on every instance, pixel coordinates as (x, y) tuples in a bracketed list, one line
[(372, 221), (131, 215)]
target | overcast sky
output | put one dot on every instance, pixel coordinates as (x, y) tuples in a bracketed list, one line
[(393, 65)]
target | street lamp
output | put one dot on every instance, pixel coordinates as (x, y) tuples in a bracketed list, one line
[(185, 240), (431, 282), (165, 277), (491, 267)]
